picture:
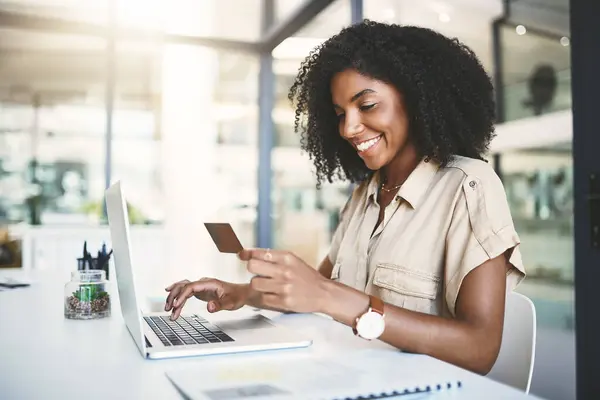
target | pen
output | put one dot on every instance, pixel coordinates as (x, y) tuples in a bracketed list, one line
[(84, 254)]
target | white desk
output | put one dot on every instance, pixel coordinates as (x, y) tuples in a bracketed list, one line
[(44, 355)]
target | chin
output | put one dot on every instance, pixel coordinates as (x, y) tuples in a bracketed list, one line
[(374, 164)]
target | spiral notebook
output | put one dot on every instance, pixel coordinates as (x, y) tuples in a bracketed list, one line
[(373, 374)]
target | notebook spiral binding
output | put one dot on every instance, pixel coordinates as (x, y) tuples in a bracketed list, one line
[(427, 389)]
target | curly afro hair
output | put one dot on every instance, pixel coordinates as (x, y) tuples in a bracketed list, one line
[(447, 94)]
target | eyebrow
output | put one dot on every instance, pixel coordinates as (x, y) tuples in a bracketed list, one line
[(358, 96)]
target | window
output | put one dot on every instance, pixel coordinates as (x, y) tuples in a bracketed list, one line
[(304, 218), (51, 126)]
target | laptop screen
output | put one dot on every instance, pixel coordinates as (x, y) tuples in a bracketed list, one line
[(118, 221)]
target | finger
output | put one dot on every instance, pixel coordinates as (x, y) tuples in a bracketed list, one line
[(172, 296), (269, 255), (218, 305), (195, 288), (185, 293), (263, 268), (171, 286), (191, 289), (245, 254), (265, 285), (214, 306), (177, 310)]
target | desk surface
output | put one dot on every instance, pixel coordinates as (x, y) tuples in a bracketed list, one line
[(44, 355)]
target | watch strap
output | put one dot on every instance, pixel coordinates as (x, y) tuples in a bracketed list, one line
[(376, 304)]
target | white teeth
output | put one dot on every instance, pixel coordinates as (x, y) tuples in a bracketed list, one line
[(368, 144)]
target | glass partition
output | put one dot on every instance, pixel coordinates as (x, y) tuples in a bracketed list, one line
[(52, 126), (539, 186), (536, 72), (470, 23), (303, 217), (136, 129)]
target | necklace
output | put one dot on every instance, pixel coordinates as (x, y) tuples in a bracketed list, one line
[(396, 187)]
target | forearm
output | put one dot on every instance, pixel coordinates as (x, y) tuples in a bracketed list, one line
[(450, 340)]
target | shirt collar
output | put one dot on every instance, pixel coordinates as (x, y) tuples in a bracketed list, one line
[(413, 188), (373, 187)]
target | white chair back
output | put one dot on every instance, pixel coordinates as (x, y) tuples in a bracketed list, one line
[(514, 366)]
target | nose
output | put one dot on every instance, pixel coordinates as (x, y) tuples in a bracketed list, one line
[(352, 126)]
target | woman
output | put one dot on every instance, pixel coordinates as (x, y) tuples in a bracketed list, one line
[(407, 114)]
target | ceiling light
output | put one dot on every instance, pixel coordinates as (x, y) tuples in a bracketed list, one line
[(565, 41), (521, 30), (443, 17)]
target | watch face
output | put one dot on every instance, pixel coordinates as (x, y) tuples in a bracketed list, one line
[(370, 325)]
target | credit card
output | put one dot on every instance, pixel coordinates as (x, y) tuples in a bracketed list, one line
[(224, 237)]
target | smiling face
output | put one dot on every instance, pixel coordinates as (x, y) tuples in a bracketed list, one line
[(372, 118)]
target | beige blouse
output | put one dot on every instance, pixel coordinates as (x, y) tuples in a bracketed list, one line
[(443, 223)]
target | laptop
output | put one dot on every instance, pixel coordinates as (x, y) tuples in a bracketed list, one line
[(156, 336)]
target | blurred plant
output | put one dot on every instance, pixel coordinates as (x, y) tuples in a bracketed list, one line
[(94, 208), (89, 293)]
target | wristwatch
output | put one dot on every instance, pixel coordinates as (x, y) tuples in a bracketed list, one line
[(371, 324)]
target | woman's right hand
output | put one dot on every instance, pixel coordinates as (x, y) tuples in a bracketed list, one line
[(218, 294)]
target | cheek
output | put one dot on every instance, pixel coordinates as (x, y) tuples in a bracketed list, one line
[(389, 121), (398, 130)]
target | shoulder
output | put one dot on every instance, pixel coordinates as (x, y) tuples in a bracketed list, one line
[(471, 167), (473, 174), (481, 191)]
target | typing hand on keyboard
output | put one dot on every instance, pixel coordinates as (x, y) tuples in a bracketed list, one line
[(219, 295), (186, 330)]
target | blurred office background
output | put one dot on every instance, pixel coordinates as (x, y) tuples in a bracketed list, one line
[(185, 101)]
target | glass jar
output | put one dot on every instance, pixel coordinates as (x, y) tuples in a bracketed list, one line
[(86, 296)]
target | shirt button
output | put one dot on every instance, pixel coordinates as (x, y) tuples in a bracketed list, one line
[(472, 184)]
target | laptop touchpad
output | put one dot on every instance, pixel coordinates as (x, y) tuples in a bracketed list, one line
[(257, 322)]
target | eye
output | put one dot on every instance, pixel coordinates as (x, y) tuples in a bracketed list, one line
[(340, 116), (367, 107)]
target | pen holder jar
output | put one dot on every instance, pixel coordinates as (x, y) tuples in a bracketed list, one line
[(86, 296)]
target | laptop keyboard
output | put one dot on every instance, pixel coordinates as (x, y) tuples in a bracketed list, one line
[(186, 330)]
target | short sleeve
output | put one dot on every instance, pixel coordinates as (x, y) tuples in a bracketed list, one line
[(481, 229)]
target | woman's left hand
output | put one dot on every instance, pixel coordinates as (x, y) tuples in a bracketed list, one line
[(283, 281)]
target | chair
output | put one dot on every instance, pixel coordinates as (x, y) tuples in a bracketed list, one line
[(514, 365)]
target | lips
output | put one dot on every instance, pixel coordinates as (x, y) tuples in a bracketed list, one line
[(367, 144)]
